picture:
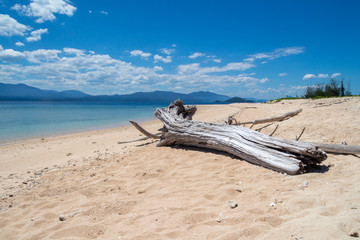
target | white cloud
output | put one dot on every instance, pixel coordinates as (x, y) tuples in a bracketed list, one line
[(277, 53), (71, 68), (173, 45), (251, 59), (140, 53), (264, 80), (73, 51), (163, 59), (44, 10), (188, 68), (19, 44), (42, 55), (57, 67), (262, 91), (195, 68), (196, 55), (10, 27), (90, 12), (167, 51), (282, 74), (10, 55), (104, 12), (36, 35), (309, 76), (216, 60), (334, 75), (322, 75), (158, 68), (101, 74)]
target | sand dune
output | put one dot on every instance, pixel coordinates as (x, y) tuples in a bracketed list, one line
[(107, 190)]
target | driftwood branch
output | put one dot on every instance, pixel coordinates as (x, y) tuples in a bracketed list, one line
[(274, 130), (339, 148), (273, 119), (274, 153), (297, 138), (143, 131), (259, 129)]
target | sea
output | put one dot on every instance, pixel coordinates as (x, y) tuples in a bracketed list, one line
[(25, 120)]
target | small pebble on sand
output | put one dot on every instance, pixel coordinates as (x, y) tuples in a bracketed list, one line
[(232, 204)]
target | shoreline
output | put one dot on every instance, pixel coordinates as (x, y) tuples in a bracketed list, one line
[(66, 133), (28, 120), (33, 154)]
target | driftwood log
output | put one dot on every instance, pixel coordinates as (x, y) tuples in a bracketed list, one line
[(278, 154), (272, 119)]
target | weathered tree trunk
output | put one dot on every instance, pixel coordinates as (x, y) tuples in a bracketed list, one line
[(274, 153)]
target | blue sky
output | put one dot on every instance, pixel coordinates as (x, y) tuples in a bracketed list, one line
[(261, 49)]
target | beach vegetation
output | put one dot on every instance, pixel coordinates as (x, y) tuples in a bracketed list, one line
[(333, 88)]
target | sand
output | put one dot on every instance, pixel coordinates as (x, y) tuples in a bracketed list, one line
[(107, 190)]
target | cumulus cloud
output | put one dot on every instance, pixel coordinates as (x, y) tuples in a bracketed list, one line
[(196, 55), (73, 51), (10, 55), (320, 75), (140, 53), (309, 76), (323, 75), (99, 73), (277, 53), (42, 55), (104, 12), (63, 68), (167, 51), (196, 69), (70, 68), (334, 75), (162, 59), (19, 44), (282, 74), (10, 27), (158, 68), (44, 10), (216, 60), (36, 35)]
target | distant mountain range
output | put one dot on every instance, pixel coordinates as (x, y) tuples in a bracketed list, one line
[(23, 92), (237, 100)]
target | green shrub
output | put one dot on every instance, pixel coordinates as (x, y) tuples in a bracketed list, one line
[(332, 89)]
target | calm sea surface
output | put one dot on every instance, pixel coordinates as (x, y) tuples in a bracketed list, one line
[(19, 120)]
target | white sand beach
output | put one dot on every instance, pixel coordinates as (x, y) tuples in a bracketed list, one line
[(107, 190)]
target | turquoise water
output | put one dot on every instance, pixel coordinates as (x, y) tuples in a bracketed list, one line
[(20, 120)]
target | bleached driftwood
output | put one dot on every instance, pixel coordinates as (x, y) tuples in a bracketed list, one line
[(274, 153), (339, 148), (331, 148), (143, 131), (273, 119)]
